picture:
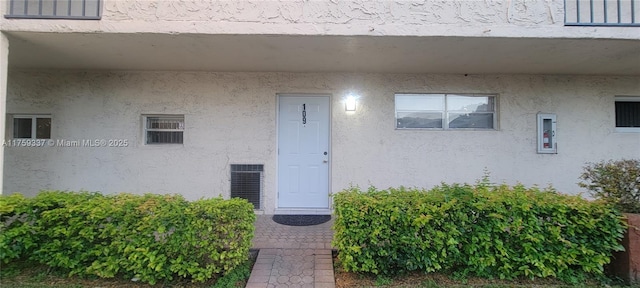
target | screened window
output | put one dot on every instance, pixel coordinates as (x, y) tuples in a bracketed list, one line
[(445, 111), (32, 126), (628, 114), (164, 129)]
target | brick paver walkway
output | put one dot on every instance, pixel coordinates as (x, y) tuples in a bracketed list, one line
[(292, 256), (270, 234)]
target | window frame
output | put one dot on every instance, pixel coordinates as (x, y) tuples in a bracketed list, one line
[(624, 99), (445, 112), (34, 124), (145, 129)]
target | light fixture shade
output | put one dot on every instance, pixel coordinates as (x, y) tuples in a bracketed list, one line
[(350, 104)]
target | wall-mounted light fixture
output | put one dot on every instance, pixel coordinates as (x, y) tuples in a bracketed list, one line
[(350, 103)]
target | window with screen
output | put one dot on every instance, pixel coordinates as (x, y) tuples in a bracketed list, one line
[(445, 111), (627, 114)]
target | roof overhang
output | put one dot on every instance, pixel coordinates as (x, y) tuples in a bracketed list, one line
[(299, 53)]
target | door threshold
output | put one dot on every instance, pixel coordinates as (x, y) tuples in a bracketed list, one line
[(303, 211)]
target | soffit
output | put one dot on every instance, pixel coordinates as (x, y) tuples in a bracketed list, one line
[(292, 53)]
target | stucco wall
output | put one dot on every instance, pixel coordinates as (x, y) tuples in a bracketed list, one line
[(363, 12), (231, 118), (492, 18)]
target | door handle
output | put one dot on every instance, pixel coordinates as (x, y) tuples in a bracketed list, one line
[(325, 161)]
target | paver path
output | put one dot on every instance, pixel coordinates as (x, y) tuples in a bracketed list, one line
[(303, 268), (292, 256), (270, 234)]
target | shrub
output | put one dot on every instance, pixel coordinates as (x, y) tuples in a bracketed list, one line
[(617, 182), (148, 237), (482, 230), (16, 228)]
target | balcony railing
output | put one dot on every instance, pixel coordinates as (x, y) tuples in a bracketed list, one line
[(55, 9), (601, 12)]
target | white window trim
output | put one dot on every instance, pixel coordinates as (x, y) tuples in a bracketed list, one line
[(627, 99), (625, 129), (445, 112), (628, 129), (34, 124), (145, 129)]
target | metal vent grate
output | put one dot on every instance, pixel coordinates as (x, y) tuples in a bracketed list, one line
[(246, 182), (55, 9)]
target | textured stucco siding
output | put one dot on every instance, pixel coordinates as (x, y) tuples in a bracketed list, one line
[(230, 118), (475, 18), (355, 12)]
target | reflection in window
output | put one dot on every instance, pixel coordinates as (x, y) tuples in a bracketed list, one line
[(43, 128), (445, 111), (419, 120)]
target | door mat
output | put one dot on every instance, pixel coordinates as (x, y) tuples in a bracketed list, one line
[(301, 220)]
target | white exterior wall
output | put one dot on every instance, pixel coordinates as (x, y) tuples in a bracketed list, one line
[(230, 118), (4, 62), (472, 18)]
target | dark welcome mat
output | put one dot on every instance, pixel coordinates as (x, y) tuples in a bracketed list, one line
[(301, 220)]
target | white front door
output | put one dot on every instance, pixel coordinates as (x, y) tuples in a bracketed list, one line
[(303, 156)]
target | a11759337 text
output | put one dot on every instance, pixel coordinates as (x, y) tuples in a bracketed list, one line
[(75, 143)]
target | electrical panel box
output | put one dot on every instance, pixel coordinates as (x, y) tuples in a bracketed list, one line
[(547, 139)]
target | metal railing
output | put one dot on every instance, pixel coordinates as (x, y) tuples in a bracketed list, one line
[(601, 12), (55, 9)]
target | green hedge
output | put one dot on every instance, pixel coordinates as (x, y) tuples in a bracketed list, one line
[(149, 237), (482, 230)]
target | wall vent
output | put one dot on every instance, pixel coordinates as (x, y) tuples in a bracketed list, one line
[(246, 182)]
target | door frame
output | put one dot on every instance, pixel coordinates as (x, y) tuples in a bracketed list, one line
[(287, 210)]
